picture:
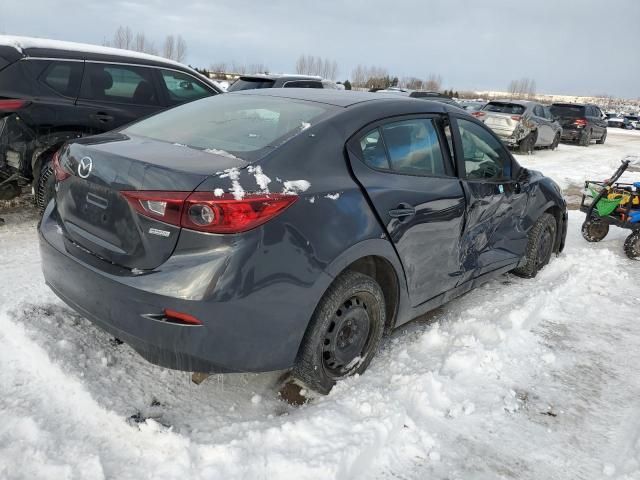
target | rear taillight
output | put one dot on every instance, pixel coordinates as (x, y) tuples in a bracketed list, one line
[(478, 114), (517, 118), (12, 104), (580, 122), (58, 170), (205, 212)]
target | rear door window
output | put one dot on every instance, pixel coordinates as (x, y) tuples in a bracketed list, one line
[(538, 111), (119, 84), (182, 87), (64, 78), (409, 147), (484, 155)]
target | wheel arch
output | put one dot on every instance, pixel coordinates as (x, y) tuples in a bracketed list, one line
[(377, 259)]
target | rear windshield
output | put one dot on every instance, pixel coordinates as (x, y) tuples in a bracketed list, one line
[(503, 107), (567, 110), (247, 126), (250, 84)]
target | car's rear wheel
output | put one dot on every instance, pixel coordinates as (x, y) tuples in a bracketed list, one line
[(632, 245), (542, 239), (602, 139), (585, 138), (556, 142), (45, 186), (344, 333), (594, 229), (528, 143)]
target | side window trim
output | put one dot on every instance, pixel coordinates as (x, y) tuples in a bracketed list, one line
[(457, 141), (448, 157)]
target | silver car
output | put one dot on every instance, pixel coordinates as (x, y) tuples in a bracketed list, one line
[(521, 124)]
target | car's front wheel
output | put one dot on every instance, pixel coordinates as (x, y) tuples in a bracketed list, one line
[(542, 240), (344, 333)]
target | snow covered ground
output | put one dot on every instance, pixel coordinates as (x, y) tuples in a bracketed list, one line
[(519, 379)]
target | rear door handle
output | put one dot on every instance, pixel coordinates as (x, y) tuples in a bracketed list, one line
[(403, 211)]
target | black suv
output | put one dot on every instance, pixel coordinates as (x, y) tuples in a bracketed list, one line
[(53, 91), (250, 82), (581, 123)]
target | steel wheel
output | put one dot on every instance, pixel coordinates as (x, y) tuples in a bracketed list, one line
[(347, 336)]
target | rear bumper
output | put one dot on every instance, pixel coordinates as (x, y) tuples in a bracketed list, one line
[(258, 330), (571, 134)]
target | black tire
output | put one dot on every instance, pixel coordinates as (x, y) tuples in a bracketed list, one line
[(603, 138), (542, 239), (556, 142), (585, 139), (528, 143), (632, 245), (344, 332), (45, 186), (594, 229)]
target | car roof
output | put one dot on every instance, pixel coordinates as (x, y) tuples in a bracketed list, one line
[(348, 98), (278, 76), (40, 47), (523, 103)]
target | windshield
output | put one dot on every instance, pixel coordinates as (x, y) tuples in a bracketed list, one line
[(250, 84), (237, 124), (567, 110), (501, 107)]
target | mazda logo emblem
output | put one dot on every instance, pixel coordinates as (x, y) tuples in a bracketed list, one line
[(84, 167)]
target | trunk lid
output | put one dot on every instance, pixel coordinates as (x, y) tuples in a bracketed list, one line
[(97, 218)]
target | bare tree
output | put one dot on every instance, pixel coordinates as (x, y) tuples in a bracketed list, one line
[(433, 83), (522, 88), (220, 67), (123, 38), (142, 44), (181, 49), (169, 48), (310, 65)]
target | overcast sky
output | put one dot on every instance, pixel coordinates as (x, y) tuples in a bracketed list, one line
[(579, 47)]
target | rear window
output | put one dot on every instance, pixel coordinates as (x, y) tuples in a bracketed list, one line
[(568, 110), (247, 126), (250, 84), (503, 107)]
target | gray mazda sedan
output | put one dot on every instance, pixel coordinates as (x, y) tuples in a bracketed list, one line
[(288, 229)]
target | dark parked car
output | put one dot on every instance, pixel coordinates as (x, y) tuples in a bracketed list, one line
[(472, 105), (521, 124), (581, 123), (53, 91), (257, 81), (422, 94), (620, 122), (265, 230)]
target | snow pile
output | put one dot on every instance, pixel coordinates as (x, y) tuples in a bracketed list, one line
[(295, 186)]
